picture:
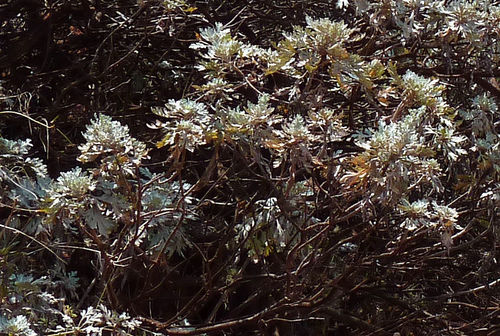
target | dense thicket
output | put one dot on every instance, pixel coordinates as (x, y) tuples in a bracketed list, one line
[(261, 167)]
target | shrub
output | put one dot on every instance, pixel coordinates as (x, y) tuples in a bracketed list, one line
[(338, 176)]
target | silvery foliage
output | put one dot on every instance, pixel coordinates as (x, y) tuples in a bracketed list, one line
[(17, 169), (191, 123), (438, 123), (268, 229), (25, 288), (254, 121), (218, 44), (109, 142), (70, 199), (224, 54), (171, 5), (23, 181), (98, 321), (483, 112), (321, 43), (395, 158), (423, 91), (296, 130), (103, 197), (422, 214), (18, 325), (29, 300), (299, 53), (329, 124), (400, 155), (420, 19), (262, 228), (167, 208), (305, 48), (187, 123), (12, 155), (97, 198)]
